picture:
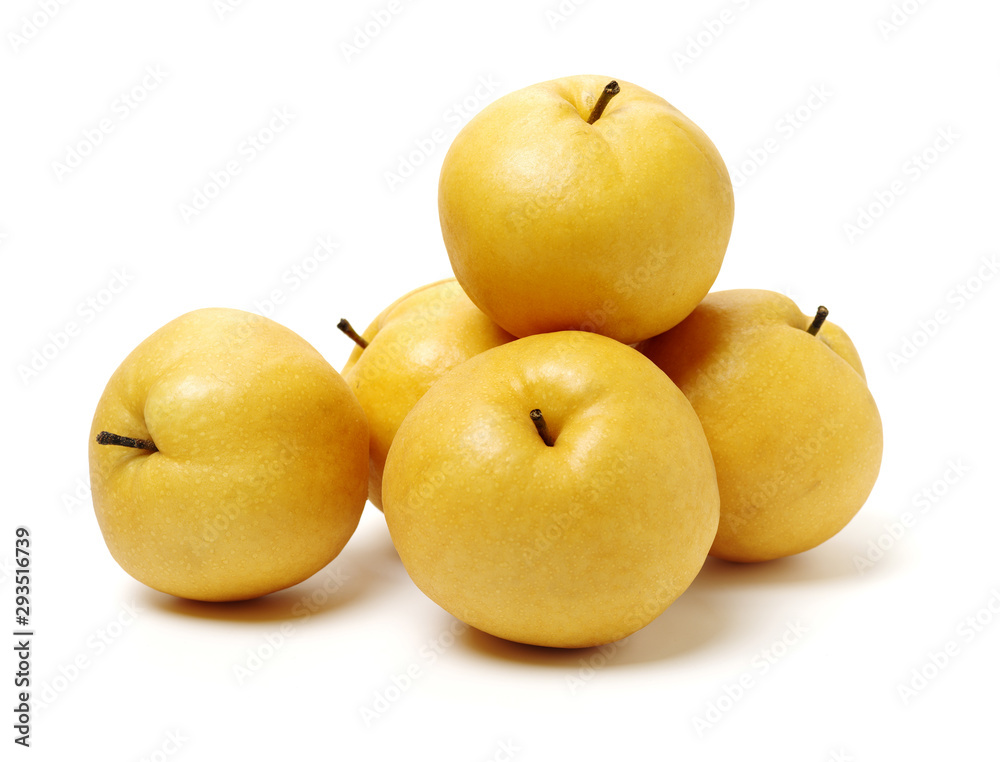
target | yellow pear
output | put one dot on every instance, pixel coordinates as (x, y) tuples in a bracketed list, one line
[(585, 203), (783, 399), (411, 344), (228, 460), (557, 490)]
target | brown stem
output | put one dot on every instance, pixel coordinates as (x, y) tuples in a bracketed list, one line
[(107, 438), (610, 91), (347, 328), (543, 428), (817, 322)]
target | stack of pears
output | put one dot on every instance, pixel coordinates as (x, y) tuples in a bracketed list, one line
[(560, 435)]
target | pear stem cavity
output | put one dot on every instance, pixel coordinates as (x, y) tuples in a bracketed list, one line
[(818, 321), (348, 329), (542, 426), (107, 438), (610, 91)]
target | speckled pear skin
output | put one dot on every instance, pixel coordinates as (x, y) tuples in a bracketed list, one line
[(617, 227), (794, 430), (574, 545), (260, 475), (411, 344)]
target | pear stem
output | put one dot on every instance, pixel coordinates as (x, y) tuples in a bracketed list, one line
[(542, 426), (107, 438), (348, 329), (610, 91), (817, 322)]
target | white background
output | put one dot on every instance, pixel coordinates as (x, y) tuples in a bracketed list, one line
[(159, 678)]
